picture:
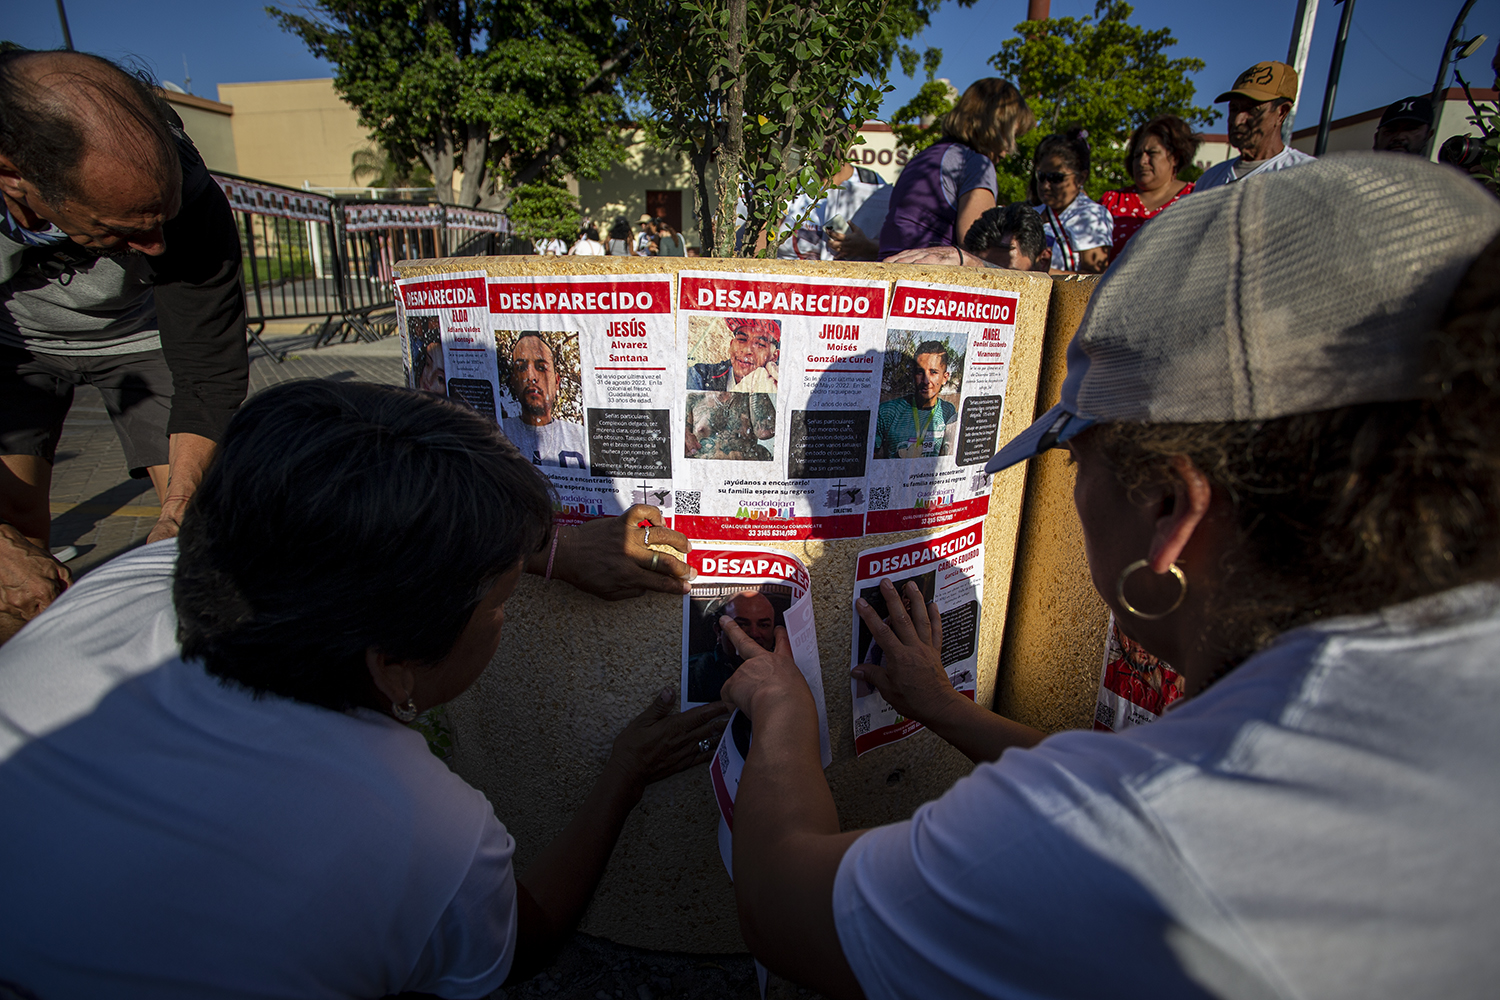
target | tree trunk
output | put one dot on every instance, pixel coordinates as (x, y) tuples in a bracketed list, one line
[(476, 148), (734, 136), (439, 159), (705, 197)]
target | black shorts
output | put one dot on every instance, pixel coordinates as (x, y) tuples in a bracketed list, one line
[(36, 391)]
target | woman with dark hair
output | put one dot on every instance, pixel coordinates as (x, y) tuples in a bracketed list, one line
[(1290, 491), (1157, 152), (620, 238), (669, 242), (588, 244), (952, 182), (1079, 229), (207, 784)]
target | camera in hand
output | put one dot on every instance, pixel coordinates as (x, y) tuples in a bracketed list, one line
[(1462, 151)]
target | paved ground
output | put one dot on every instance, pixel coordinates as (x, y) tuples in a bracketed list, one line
[(98, 508)]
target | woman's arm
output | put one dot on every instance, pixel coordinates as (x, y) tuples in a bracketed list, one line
[(787, 843), (913, 680), (971, 205), (558, 885)]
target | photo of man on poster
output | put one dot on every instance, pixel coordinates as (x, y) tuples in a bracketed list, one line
[(540, 432), (872, 653), (917, 424), (711, 655), (753, 355)]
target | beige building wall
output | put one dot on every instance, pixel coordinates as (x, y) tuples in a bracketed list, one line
[(621, 189), (293, 132), (210, 125)]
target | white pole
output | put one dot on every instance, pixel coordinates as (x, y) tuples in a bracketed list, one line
[(1296, 56)]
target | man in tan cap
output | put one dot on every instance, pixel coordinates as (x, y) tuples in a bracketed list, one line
[(1259, 102)]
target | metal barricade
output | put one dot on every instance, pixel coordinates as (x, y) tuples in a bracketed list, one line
[(307, 256)]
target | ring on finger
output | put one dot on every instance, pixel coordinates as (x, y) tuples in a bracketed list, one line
[(655, 558), (704, 745), (646, 538)]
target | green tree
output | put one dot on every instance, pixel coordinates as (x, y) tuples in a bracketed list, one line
[(543, 210), (1101, 72), (764, 99), (508, 91)]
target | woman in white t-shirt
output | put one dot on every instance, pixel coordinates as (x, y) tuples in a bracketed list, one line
[(1293, 498), (1079, 230), (208, 783), (588, 244)]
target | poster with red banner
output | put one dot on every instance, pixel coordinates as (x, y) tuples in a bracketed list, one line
[(584, 364), (948, 569), (1134, 687), (762, 590), (447, 344), (941, 395), (777, 380)]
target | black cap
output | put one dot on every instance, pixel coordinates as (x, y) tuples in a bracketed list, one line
[(1409, 109)]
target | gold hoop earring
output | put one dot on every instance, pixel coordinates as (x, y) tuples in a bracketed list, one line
[(406, 712), (1142, 564)]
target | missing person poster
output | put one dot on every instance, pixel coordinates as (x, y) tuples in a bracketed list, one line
[(1134, 687), (948, 569), (447, 344), (761, 589), (584, 365), (942, 391), (777, 382)]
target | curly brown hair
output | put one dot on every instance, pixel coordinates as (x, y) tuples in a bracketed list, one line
[(989, 117), (1175, 136), (1348, 510)]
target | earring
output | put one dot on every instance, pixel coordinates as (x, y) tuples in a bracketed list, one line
[(1142, 564), (405, 713)]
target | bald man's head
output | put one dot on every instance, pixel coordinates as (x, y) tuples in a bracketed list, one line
[(85, 145)]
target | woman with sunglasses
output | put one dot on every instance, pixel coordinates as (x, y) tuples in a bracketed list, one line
[(1079, 230), (952, 182), (1157, 151)]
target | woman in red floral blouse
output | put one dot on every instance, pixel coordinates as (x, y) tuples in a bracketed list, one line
[(1157, 151)]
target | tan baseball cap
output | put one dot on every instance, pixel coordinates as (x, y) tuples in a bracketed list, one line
[(1262, 82)]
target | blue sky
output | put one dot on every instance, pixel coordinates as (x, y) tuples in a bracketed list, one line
[(1393, 46)]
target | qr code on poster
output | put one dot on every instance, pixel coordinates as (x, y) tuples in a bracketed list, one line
[(1104, 715), (687, 501), (862, 725), (880, 497)]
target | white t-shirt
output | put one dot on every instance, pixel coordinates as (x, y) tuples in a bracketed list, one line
[(551, 246), (557, 443), (1224, 173), (587, 248), (164, 835), (1320, 823), (1087, 223), (810, 241)]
